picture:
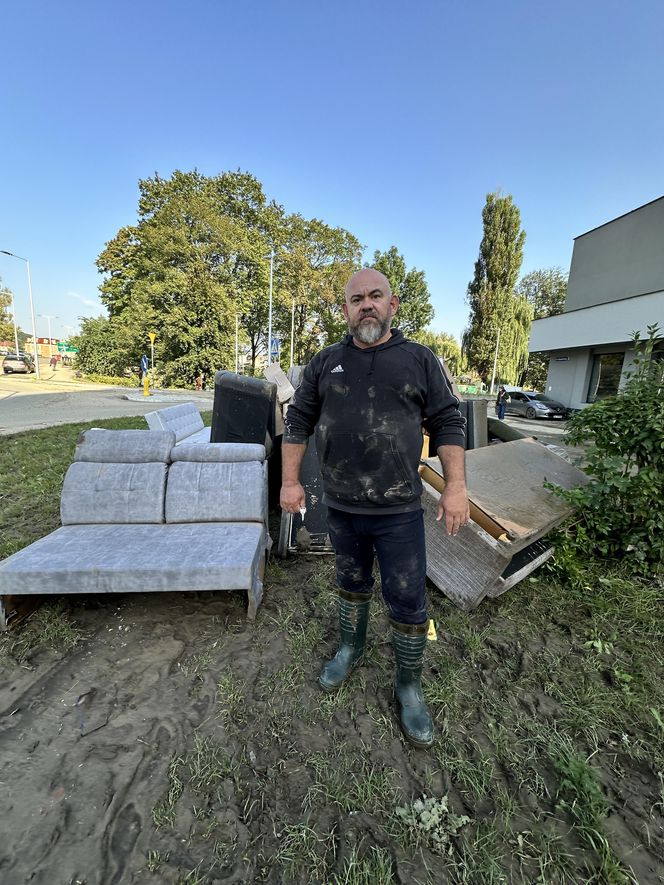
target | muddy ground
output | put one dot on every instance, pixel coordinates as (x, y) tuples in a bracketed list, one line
[(175, 742)]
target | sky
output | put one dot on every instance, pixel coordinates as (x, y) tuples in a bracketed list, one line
[(390, 119)]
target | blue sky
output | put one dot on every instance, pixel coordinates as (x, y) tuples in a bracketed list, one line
[(390, 119)]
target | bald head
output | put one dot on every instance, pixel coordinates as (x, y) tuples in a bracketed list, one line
[(369, 307), (368, 278)]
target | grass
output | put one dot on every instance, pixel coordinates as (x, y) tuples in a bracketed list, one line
[(548, 705)]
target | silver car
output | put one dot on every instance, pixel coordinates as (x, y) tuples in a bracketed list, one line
[(21, 362), (535, 405)]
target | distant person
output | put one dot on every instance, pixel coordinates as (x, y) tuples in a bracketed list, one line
[(198, 382), (53, 362), (142, 372), (501, 402)]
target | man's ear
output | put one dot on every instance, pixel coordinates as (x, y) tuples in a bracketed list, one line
[(344, 307), (394, 303)]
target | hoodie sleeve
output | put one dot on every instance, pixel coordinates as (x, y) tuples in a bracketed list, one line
[(304, 409), (442, 419)]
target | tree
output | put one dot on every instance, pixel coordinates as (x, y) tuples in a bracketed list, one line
[(493, 303), (6, 317), (443, 345), (545, 290), (103, 346), (415, 310), (194, 261)]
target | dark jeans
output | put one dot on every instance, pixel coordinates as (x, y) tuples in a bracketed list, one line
[(398, 541), (500, 411)]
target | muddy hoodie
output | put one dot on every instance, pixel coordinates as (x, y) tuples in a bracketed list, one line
[(368, 407)]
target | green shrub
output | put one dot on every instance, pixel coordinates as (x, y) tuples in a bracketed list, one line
[(115, 380), (620, 514)]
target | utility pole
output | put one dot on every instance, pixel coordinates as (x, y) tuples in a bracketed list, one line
[(495, 362), (269, 323)]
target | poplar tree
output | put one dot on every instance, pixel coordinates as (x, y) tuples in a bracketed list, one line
[(494, 306)]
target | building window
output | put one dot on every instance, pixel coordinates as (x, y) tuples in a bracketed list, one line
[(605, 375)]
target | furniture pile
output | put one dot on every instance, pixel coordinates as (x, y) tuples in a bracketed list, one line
[(142, 514)]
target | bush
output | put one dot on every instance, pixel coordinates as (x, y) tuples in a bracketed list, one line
[(115, 380), (620, 514)]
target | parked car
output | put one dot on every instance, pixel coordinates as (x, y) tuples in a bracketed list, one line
[(535, 405), (18, 362)]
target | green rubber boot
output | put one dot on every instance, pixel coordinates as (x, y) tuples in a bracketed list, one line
[(353, 620), (409, 641)]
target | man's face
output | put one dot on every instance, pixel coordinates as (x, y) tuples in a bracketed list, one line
[(369, 307)]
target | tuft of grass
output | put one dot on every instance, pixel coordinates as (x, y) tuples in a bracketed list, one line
[(348, 779), (196, 666), (375, 869), (49, 627), (163, 814), (303, 852), (231, 694)]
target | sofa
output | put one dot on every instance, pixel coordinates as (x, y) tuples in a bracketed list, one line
[(184, 420), (141, 514)]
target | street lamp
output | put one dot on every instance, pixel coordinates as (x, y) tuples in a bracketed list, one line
[(269, 321), (32, 309), (495, 361), (49, 317)]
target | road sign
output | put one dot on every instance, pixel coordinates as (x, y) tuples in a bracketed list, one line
[(65, 348), (152, 335), (274, 349)]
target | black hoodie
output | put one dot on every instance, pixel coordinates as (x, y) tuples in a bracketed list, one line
[(368, 407)]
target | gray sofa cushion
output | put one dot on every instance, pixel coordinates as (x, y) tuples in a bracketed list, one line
[(124, 446), (218, 452), (113, 493), (137, 559), (183, 419), (201, 437), (215, 492)]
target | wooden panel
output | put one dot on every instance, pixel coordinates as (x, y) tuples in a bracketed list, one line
[(466, 566), (507, 482)]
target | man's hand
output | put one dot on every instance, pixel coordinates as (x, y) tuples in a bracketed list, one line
[(292, 497), (453, 505)]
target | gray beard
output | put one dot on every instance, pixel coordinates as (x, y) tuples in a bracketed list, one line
[(369, 333)]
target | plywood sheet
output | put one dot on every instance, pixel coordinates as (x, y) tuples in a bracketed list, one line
[(507, 482), (465, 566)]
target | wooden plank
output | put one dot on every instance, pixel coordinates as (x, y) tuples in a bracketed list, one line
[(464, 566), (503, 584), (493, 528), (507, 483)]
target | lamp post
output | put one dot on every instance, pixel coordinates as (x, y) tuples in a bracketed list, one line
[(32, 309), (49, 317), (495, 361), (269, 320)]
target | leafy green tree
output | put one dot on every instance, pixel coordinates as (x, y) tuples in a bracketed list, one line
[(410, 286), (545, 290), (194, 261), (103, 347), (619, 514), (443, 345), (493, 304), (6, 317)]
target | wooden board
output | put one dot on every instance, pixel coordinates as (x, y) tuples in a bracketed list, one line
[(507, 483), (465, 566)]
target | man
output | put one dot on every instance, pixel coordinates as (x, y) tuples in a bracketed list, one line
[(367, 398), (501, 402)]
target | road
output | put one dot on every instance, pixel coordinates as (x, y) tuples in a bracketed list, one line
[(28, 404)]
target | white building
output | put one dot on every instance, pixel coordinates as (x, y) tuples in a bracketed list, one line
[(616, 287)]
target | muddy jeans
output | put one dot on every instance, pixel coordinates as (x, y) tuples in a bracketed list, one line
[(398, 541)]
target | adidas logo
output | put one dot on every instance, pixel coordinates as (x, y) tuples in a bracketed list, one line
[(338, 368)]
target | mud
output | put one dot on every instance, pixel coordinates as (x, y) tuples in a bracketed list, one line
[(178, 743)]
